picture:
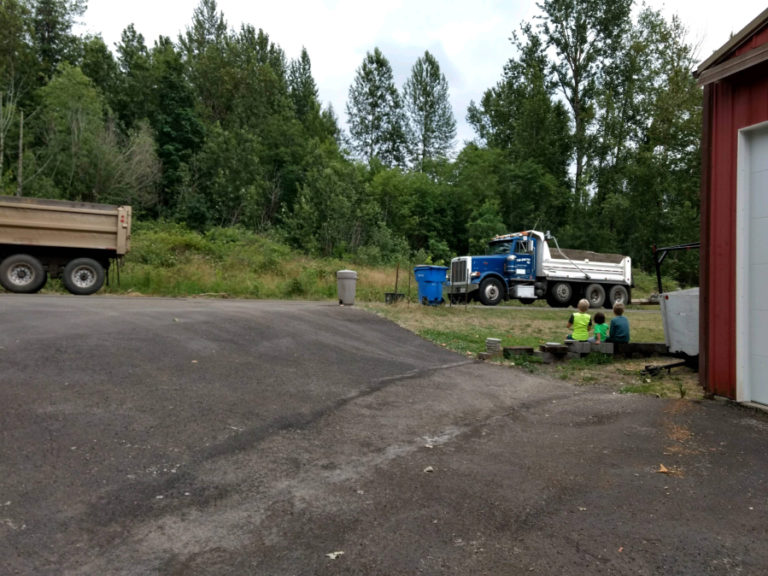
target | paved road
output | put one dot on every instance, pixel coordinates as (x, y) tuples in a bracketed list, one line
[(197, 437)]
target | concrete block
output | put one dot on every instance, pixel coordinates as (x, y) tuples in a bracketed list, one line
[(603, 347)]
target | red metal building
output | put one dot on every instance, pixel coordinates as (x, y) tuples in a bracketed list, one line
[(733, 323)]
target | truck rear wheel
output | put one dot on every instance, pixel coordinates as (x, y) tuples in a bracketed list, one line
[(616, 294), (595, 294), (560, 294), (23, 274), (83, 276), (491, 291)]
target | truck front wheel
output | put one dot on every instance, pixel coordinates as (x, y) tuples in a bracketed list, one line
[(83, 276), (560, 294), (23, 274), (491, 291)]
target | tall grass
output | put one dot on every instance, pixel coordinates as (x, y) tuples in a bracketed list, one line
[(170, 260)]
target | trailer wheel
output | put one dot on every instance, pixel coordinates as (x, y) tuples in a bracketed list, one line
[(23, 274), (491, 291), (527, 301), (617, 294), (83, 276), (595, 294), (561, 294)]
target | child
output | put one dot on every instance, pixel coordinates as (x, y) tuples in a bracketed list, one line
[(619, 329), (601, 329), (581, 322)]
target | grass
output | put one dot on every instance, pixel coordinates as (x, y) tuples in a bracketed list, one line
[(464, 329)]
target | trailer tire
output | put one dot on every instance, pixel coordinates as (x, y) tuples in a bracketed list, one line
[(491, 291), (83, 276), (23, 274), (561, 294), (595, 294), (618, 293), (527, 301)]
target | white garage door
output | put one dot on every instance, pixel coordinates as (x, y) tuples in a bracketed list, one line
[(752, 266)]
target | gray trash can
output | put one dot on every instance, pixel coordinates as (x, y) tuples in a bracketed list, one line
[(346, 281)]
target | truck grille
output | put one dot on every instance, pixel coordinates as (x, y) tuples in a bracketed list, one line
[(459, 271)]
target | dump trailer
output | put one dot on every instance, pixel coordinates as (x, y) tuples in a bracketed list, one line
[(74, 241), (525, 266)]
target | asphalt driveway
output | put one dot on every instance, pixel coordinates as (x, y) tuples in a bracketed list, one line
[(210, 437)]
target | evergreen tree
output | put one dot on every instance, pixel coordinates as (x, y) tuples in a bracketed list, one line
[(204, 46), (132, 100), (375, 113), (100, 65), (431, 122), (52, 22), (302, 89), (178, 131)]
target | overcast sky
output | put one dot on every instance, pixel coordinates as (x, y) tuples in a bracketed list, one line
[(469, 39)]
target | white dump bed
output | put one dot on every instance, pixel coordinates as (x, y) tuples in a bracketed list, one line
[(581, 264)]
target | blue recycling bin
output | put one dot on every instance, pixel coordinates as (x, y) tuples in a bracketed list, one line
[(430, 280)]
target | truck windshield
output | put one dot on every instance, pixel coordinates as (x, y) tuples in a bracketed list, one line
[(500, 247)]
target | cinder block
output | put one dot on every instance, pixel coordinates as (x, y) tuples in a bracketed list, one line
[(578, 347), (512, 351), (493, 345)]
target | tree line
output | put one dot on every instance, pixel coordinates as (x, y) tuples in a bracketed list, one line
[(592, 132)]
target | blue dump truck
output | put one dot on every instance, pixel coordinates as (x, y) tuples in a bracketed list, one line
[(524, 266)]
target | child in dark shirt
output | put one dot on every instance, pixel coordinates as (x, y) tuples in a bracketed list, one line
[(619, 329)]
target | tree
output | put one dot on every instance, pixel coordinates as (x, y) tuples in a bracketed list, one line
[(100, 65), (82, 156), (375, 113), (52, 22), (132, 100), (204, 47), (431, 122), (302, 89), (585, 34), (521, 116), (17, 60), (179, 133)]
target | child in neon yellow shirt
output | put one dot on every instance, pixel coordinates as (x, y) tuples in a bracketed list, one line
[(580, 322)]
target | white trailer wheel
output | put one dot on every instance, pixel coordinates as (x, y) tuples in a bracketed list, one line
[(617, 294), (83, 276), (595, 294)]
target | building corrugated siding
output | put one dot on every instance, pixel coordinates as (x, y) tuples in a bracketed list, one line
[(731, 104)]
